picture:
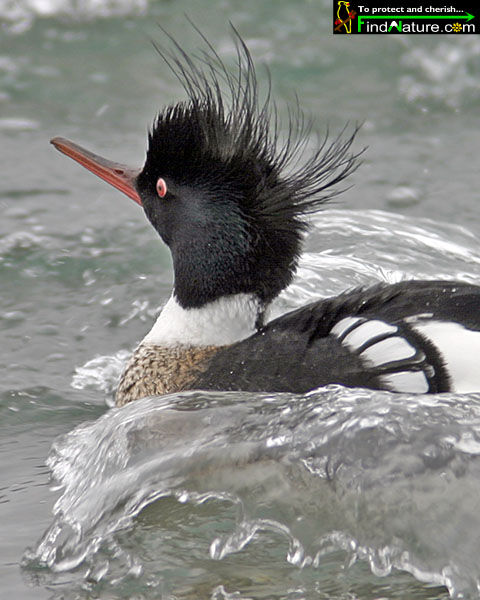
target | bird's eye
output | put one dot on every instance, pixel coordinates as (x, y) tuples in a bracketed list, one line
[(161, 187)]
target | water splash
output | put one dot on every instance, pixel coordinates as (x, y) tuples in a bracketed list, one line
[(388, 479), (102, 373), (349, 248)]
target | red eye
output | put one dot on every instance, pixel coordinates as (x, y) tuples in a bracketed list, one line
[(161, 187)]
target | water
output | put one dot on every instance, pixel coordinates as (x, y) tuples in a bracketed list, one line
[(372, 472), (337, 494)]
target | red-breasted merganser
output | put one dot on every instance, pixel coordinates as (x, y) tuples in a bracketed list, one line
[(230, 200)]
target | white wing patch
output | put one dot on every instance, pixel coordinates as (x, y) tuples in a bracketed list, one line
[(374, 340), (367, 331), (459, 348), (381, 344), (393, 348), (342, 326), (414, 382), (401, 364)]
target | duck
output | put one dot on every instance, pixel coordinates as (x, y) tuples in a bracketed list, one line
[(230, 191)]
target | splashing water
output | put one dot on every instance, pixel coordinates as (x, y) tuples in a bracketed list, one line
[(389, 479)]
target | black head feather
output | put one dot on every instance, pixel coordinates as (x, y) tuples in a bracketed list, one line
[(238, 192)]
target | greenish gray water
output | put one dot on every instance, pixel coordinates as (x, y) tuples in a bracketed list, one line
[(82, 275)]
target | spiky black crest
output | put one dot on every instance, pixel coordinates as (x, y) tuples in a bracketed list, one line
[(226, 143)]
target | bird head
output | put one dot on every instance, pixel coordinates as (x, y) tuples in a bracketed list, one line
[(227, 188)]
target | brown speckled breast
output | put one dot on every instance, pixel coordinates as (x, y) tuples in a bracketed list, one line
[(157, 370)]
